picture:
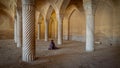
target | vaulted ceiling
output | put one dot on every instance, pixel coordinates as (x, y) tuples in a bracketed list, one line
[(46, 7)]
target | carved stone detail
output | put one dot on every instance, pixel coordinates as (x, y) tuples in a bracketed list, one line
[(28, 50)]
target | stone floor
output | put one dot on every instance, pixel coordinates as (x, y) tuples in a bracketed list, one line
[(70, 55)]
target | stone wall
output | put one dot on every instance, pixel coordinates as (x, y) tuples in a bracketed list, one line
[(107, 23), (7, 19)]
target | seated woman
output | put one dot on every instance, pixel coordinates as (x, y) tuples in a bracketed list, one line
[(52, 45)]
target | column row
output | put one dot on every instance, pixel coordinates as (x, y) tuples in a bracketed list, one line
[(28, 22)]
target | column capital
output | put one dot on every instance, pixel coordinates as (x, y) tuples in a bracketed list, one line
[(28, 2), (90, 6)]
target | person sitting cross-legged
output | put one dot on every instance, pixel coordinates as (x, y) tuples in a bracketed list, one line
[(52, 45)]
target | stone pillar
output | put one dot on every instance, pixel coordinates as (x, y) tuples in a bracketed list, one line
[(46, 30), (89, 25), (28, 50), (89, 32), (38, 31), (19, 27), (15, 30), (59, 28)]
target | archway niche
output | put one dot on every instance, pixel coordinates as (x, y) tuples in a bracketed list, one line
[(53, 26), (74, 24)]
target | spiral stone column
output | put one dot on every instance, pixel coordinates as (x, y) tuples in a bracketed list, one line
[(46, 30), (89, 25), (28, 50), (59, 28), (19, 27)]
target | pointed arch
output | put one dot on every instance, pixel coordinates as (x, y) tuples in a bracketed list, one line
[(49, 12), (4, 13), (66, 22)]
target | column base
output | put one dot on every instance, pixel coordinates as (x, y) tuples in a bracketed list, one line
[(18, 45), (29, 59), (59, 43), (89, 49), (46, 40)]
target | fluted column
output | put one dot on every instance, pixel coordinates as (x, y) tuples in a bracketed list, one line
[(59, 28), (46, 30), (19, 27), (89, 25), (38, 31), (28, 50)]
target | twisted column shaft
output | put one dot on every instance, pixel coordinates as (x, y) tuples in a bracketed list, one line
[(28, 50)]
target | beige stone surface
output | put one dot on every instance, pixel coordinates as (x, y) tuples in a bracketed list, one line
[(107, 22), (70, 55), (72, 13)]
